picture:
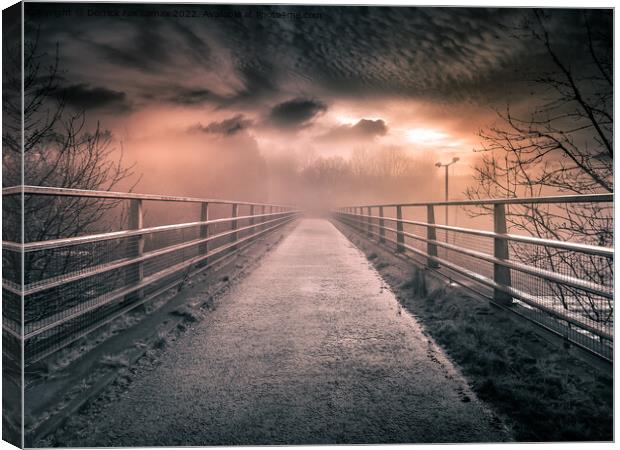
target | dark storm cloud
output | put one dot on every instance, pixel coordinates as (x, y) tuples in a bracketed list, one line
[(145, 49), (226, 127), (414, 52), (86, 97), (191, 96), (259, 79), (364, 129), (444, 54), (194, 44), (296, 112)]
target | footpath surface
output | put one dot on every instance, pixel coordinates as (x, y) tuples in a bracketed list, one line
[(312, 347)]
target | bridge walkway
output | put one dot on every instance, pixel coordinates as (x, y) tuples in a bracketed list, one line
[(312, 347)]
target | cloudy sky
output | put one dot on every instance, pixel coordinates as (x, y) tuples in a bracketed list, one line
[(172, 81)]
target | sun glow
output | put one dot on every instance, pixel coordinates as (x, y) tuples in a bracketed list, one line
[(425, 135)]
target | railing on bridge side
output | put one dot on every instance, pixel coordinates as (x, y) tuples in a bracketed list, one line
[(566, 287), (75, 285)]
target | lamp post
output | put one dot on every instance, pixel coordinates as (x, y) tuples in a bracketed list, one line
[(454, 160)]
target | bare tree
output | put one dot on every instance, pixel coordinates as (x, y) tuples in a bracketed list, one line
[(565, 145), (58, 150), (383, 163)]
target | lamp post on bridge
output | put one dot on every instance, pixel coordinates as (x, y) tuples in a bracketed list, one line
[(454, 160)]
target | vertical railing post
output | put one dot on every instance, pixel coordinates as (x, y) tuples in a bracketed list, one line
[(400, 237), (262, 211), (431, 235), (271, 211), (135, 274), (369, 221), (381, 226), (203, 248), (501, 273), (234, 236), (253, 229)]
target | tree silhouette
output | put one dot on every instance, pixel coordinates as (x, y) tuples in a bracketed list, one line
[(564, 146)]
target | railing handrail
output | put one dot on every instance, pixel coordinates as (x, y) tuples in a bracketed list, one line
[(589, 249), (49, 283), (123, 234), (67, 192), (505, 290), (527, 298), (138, 272), (573, 198), (578, 283)]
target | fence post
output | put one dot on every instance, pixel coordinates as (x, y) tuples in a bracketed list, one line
[(431, 234), (262, 211), (234, 236), (501, 274), (271, 211), (135, 274), (253, 229), (381, 225), (203, 248), (369, 220), (400, 237)]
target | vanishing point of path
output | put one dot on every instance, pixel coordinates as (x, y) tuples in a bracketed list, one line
[(310, 348)]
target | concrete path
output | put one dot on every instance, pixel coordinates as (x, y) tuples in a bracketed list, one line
[(310, 348)]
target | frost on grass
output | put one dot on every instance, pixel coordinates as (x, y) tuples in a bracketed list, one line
[(547, 394), (161, 340), (187, 313), (115, 361)]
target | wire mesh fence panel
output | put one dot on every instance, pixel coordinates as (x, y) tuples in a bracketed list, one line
[(118, 253), (416, 214), (11, 311), (12, 345), (11, 266), (560, 276)]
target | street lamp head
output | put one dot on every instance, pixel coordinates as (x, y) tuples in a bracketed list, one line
[(438, 164), (455, 159)]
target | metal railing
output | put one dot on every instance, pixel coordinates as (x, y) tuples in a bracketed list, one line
[(566, 287), (74, 285)]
